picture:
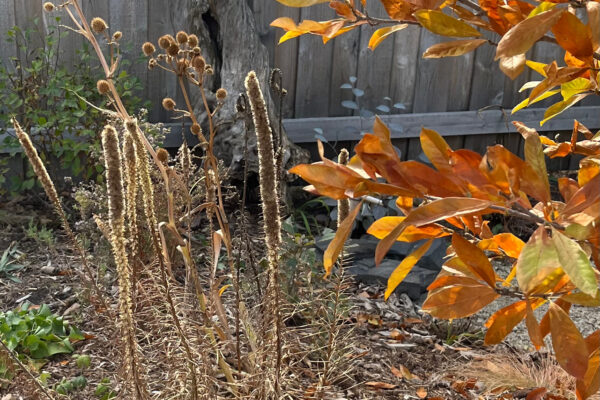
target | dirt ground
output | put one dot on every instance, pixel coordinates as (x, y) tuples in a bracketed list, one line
[(398, 352)]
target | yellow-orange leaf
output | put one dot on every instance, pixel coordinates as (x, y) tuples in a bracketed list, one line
[(588, 169), (537, 259), (337, 244), (590, 384), (569, 346), (397, 9), (513, 66), (459, 301), (474, 258), (561, 106), (383, 226), (436, 149), (583, 299), (301, 3), (503, 321), (435, 211), (534, 155), (404, 268), (442, 24), (453, 49), (522, 36), (380, 34)]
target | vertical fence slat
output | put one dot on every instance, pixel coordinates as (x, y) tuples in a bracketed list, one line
[(314, 68), (404, 67), (488, 81), (344, 65), (7, 21)]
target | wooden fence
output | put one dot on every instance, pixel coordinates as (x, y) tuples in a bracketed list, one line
[(313, 72)]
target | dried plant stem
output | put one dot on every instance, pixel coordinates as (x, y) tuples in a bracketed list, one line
[(129, 152), (15, 359), (270, 206), (116, 201), (50, 189)]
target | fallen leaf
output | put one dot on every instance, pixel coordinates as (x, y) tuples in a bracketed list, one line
[(422, 392), (380, 385)]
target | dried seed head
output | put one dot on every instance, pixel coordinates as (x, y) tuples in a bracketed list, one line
[(196, 51), (49, 7), (196, 129), (103, 86), (221, 94), (192, 40), (114, 184), (199, 63), (99, 25), (209, 70), (173, 50), (117, 36), (152, 63), (161, 57), (181, 37), (168, 104), (148, 49), (131, 125), (182, 65), (165, 41), (163, 155)]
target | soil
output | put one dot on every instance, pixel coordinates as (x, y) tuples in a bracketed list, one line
[(398, 352)]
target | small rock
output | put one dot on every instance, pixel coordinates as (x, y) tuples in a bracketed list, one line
[(8, 397), (49, 270), (71, 309)]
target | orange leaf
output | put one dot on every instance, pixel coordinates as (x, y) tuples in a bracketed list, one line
[(380, 385), (503, 321), (533, 327), (534, 156), (453, 48), (342, 9), (421, 392), (569, 346), (385, 225), (435, 211), (337, 244), (537, 394), (523, 36), (573, 36), (398, 9), (567, 187), (474, 258), (545, 322), (513, 66), (459, 301), (301, 3), (593, 12)]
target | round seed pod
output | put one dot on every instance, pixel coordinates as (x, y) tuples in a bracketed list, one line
[(181, 37), (49, 7), (117, 36), (152, 63), (103, 86), (99, 25), (199, 63), (165, 41), (168, 104), (192, 40), (162, 155), (221, 94), (148, 49), (173, 50)]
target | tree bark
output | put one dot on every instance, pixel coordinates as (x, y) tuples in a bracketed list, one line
[(230, 42)]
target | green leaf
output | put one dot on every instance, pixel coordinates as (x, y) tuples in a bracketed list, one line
[(575, 263)]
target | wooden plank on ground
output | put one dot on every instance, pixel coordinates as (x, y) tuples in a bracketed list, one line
[(314, 67), (447, 124)]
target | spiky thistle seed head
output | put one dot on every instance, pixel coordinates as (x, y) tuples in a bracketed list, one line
[(163, 155), (165, 41), (181, 37), (117, 36), (182, 65), (103, 86), (148, 49), (192, 40), (221, 94), (197, 51), (49, 7), (99, 25), (168, 104), (196, 128), (173, 50), (152, 63), (209, 70)]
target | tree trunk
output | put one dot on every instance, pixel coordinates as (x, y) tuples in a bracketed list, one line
[(230, 43)]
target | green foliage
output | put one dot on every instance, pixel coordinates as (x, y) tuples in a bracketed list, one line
[(41, 235), (66, 386), (54, 105), (36, 332), (103, 390), (9, 263)]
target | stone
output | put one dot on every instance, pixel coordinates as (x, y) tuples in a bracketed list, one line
[(49, 270), (413, 285), (364, 248), (434, 258)]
